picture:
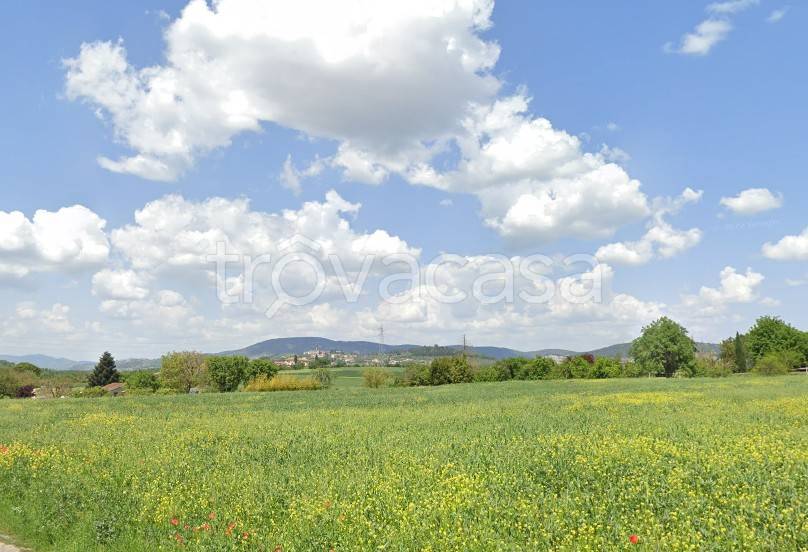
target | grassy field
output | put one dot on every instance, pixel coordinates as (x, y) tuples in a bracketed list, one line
[(575, 465)]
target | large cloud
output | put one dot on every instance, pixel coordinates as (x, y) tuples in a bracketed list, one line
[(175, 232), (535, 182), (381, 75), (399, 87), (68, 239), (789, 248)]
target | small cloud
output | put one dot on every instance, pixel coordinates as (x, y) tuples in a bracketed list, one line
[(729, 7), (446, 202), (770, 302), (612, 126), (161, 14), (777, 15), (614, 155), (753, 201), (707, 34), (716, 28), (793, 282)]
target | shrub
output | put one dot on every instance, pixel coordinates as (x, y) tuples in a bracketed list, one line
[(536, 369), (454, 369), (414, 374), (261, 367), (141, 379), (282, 382), (772, 364), (579, 367), (90, 392), (375, 377), (606, 367), (489, 373), (631, 369), (711, 368), (323, 375), (510, 368), (24, 392), (139, 391)]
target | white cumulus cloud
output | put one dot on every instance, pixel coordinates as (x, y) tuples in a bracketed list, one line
[(789, 248), (383, 75), (661, 240), (67, 239), (753, 201)]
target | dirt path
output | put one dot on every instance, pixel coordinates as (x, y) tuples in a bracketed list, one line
[(7, 547)]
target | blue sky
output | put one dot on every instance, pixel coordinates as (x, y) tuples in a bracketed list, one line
[(721, 114)]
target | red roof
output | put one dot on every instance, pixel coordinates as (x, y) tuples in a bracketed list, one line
[(112, 386)]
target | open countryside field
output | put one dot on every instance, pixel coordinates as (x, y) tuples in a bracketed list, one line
[(575, 465)]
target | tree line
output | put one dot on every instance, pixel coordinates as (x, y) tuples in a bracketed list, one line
[(664, 349)]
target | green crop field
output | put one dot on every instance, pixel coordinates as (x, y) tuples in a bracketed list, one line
[(569, 465)]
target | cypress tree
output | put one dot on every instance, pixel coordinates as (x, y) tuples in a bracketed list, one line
[(104, 372), (740, 354)]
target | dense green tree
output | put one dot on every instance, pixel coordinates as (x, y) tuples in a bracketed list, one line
[(141, 379), (105, 372), (261, 367), (180, 371), (453, 369), (226, 373), (771, 335), (578, 367), (538, 368), (606, 367), (741, 364), (664, 348), (510, 368)]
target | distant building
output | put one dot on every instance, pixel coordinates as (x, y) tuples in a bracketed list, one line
[(114, 389)]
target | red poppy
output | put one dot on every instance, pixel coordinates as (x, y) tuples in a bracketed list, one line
[(175, 521), (212, 516), (229, 530), (179, 538), (634, 539), (3, 449), (245, 535)]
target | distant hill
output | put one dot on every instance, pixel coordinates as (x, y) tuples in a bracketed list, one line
[(299, 345), (622, 349), (45, 361), (58, 363), (128, 364)]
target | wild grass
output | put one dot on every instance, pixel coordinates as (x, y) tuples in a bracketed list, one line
[(520, 465)]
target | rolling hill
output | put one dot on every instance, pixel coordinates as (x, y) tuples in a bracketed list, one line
[(299, 345)]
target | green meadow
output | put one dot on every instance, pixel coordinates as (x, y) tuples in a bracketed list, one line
[(566, 465)]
